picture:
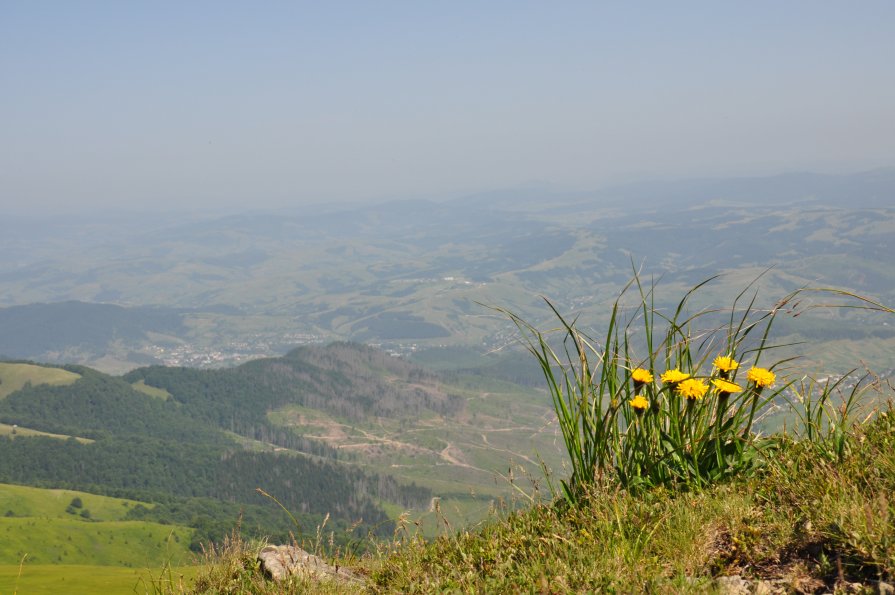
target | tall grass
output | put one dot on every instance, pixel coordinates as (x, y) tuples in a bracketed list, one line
[(662, 398), (803, 524), (820, 423)]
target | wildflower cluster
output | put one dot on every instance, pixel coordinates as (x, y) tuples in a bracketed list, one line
[(693, 413), (693, 389), (692, 426)]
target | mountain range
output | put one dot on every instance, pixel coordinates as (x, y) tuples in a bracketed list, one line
[(118, 291)]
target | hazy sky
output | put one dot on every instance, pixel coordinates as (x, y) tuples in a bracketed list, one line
[(266, 104)]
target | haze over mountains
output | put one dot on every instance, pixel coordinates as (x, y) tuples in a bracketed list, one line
[(277, 251), (243, 351), (117, 291)]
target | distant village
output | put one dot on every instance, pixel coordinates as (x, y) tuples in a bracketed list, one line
[(231, 353)]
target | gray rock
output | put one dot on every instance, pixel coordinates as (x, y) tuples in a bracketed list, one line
[(282, 561), (732, 585), (765, 588)]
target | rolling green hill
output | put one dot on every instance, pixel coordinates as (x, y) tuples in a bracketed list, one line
[(14, 376), (344, 430), (54, 541), (136, 544), (52, 526), (24, 501)]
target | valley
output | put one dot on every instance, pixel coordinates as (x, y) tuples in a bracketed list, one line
[(352, 365), (378, 435), (407, 276)]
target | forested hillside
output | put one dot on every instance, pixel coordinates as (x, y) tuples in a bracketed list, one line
[(343, 379), (194, 443), (39, 328)]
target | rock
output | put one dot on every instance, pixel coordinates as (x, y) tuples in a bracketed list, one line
[(885, 588), (282, 561), (847, 587), (733, 585), (766, 588)]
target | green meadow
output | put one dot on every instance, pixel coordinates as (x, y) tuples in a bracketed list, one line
[(8, 430), (114, 543), (64, 541), (53, 579), (24, 501), (15, 376), (152, 391)]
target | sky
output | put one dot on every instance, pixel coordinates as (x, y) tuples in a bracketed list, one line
[(138, 105)]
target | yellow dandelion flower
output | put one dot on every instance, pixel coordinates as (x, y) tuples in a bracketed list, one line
[(726, 363), (691, 389), (673, 376), (639, 404), (726, 387), (761, 377), (641, 376)]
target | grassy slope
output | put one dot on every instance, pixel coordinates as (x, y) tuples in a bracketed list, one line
[(43, 579), (152, 391), (76, 541), (25, 501), (64, 553), (805, 523), (35, 524), (8, 430), (14, 376)]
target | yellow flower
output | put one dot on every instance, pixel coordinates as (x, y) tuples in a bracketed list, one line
[(726, 363), (641, 376), (673, 376), (692, 389), (725, 387), (761, 377), (639, 404)]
